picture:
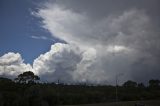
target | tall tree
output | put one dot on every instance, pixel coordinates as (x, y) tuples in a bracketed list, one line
[(130, 84), (27, 77), (154, 83)]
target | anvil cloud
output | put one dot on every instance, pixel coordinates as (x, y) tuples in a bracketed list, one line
[(103, 40)]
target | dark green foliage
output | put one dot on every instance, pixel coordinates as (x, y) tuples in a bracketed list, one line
[(154, 83), (51, 94), (130, 84), (141, 85), (27, 77)]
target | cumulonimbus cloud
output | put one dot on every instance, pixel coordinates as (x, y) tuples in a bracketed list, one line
[(125, 42), (98, 49), (58, 63)]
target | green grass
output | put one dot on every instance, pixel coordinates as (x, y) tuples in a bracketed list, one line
[(129, 103)]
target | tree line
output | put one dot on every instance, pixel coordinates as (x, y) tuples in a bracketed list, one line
[(26, 90)]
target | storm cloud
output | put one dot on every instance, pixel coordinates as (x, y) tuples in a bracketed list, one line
[(123, 34), (103, 38)]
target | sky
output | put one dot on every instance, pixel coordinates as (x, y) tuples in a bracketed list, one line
[(81, 41), (19, 27)]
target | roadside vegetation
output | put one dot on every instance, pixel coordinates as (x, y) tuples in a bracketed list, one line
[(26, 90)]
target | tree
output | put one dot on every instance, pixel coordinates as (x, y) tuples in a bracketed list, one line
[(141, 85), (5, 80), (130, 84), (154, 83), (27, 77)]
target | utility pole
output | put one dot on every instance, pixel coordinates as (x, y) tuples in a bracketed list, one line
[(117, 75), (116, 89), (4, 69)]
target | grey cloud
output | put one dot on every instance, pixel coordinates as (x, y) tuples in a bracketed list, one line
[(104, 39), (58, 63), (123, 35), (103, 8)]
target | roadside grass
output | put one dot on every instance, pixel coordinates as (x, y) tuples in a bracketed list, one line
[(129, 103)]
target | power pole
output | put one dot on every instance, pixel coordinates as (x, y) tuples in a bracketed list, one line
[(117, 75), (4, 69), (116, 89)]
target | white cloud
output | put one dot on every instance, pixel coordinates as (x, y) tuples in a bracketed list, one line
[(41, 38), (69, 64), (58, 63), (11, 64), (115, 42), (98, 48)]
